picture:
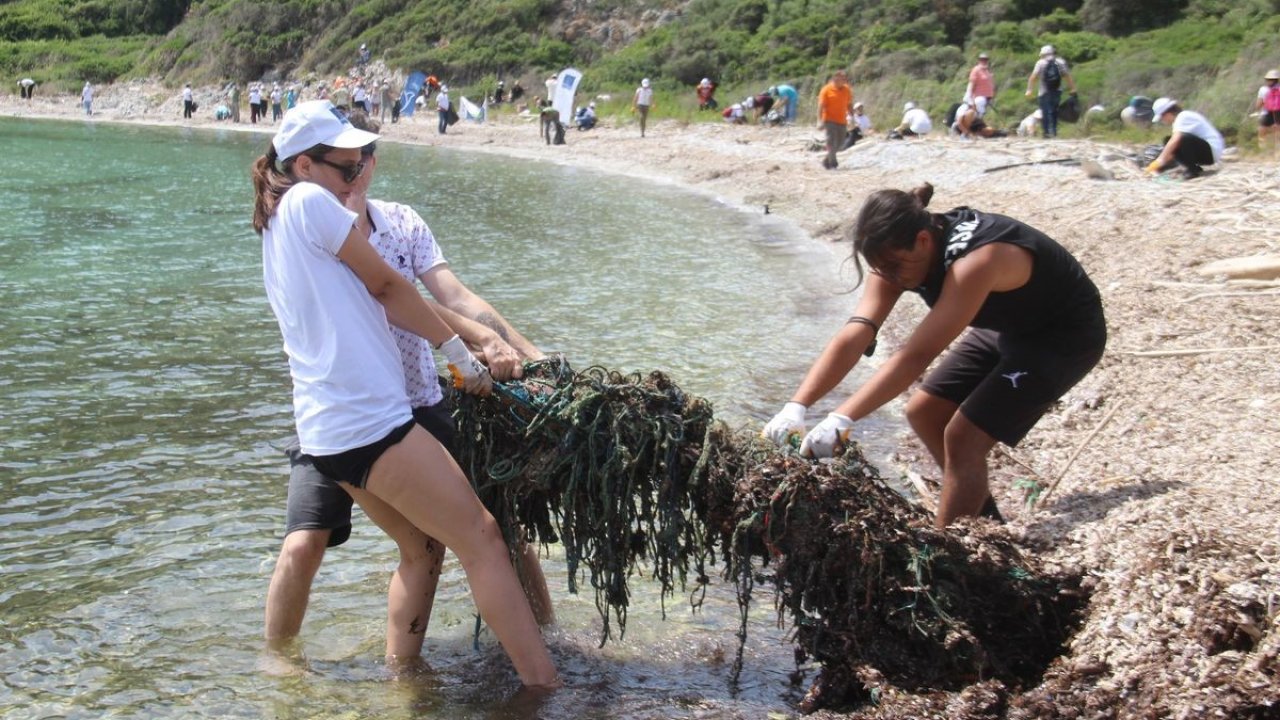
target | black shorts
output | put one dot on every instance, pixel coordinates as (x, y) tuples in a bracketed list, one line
[(1005, 384), (317, 502), (1269, 118)]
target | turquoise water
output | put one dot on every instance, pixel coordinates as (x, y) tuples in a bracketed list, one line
[(144, 394)]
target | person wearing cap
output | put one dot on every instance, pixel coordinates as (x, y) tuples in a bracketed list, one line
[(389, 103), (915, 122), (706, 92), (442, 110), (362, 58), (759, 105), (735, 114), (277, 103), (791, 101), (499, 93), (333, 296), (1049, 87), (642, 103), (1032, 324), (188, 102), (1268, 108), (835, 105), (255, 100), (27, 88), (982, 86), (586, 118), (861, 120), (1194, 143), (318, 512)]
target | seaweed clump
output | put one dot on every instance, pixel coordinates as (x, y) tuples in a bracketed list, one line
[(629, 472)]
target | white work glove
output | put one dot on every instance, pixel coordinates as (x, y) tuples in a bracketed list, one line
[(786, 424), (468, 374), (827, 437)]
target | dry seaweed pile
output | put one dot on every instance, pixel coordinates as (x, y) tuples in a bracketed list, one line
[(632, 475)]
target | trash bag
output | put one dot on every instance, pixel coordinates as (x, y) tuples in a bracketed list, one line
[(1069, 110)]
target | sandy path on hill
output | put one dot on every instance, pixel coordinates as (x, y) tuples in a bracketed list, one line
[(1167, 495)]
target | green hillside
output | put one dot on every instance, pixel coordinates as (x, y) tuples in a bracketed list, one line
[(1210, 53)]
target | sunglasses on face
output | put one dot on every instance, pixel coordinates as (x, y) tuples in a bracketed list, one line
[(349, 172)]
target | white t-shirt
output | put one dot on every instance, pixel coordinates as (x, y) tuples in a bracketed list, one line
[(917, 120), (186, 94), (442, 101), (864, 122), (403, 239), (275, 95), (348, 388), (1193, 123), (255, 96), (644, 96), (87, 93)]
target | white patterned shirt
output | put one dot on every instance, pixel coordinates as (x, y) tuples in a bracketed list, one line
[(405, 242)]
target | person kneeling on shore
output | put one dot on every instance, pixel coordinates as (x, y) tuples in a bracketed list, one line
[(1035, 329), (1195, 142)]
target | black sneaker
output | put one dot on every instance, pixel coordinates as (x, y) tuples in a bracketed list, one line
[(991, 511)]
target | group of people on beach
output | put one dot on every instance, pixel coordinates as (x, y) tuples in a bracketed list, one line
[(339, 268)]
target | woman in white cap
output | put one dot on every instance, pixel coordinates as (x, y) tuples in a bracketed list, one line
[(1195, 142), (1032, 324), (642, 103), (333, 296), (1268, 108), (1052, 72)]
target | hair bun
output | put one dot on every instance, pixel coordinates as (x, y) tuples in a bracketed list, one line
[(924, 194)]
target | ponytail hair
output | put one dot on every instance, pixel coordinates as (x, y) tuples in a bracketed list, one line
[(889, 221), (270, 182)]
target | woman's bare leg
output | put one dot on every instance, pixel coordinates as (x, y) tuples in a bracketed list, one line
[(413, 584), (419, 478)]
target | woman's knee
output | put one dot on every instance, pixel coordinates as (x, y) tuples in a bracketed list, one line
[(304, 549), (928, 413)]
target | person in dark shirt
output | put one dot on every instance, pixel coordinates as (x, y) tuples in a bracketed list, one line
[(1035, 329)]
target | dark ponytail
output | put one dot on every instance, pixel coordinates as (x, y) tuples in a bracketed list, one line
[(889, 221), (272, 181), (269, 184)]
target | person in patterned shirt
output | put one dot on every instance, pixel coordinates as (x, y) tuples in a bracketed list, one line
[(318, 514)]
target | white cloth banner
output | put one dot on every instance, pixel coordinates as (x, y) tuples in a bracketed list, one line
[(567, 85)]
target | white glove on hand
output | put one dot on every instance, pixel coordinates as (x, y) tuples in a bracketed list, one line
[(468, 374), (827, 437), (786, 424)]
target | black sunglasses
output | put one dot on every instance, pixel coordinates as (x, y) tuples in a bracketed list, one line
[(349, 172)]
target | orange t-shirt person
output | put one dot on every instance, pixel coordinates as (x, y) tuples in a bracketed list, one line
[(835, 100)]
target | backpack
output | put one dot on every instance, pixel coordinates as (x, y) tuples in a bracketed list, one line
[(1271, 103), (1052, 75)]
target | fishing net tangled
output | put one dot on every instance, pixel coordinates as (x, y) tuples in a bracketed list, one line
[(635, 477)]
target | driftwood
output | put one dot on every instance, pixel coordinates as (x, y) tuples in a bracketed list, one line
[(1258, 267), (1056, 161), (1196, 351)]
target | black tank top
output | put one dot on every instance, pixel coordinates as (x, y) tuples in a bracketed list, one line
[(1058, 296)]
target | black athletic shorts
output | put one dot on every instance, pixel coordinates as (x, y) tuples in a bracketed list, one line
[(1004, 384), (1269, 118), (317, 502)]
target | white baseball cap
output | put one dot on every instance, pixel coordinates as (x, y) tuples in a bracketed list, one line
[(1161, 106), (317, 122), (1047, 50), (909, 106), (644, 82)]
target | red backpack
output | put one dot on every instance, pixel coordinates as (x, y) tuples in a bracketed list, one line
[(1271, 103)]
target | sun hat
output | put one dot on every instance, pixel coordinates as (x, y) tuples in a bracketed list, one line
[(1161, 106), (317, 122), (1272, 75), (705, 82), (983, 56), (857, 105), (644, 82), (908, 107), (1047, 50)]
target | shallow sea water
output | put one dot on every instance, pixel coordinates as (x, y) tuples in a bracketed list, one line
[(145, 394)]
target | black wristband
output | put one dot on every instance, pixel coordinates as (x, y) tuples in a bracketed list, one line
[(875, 330)]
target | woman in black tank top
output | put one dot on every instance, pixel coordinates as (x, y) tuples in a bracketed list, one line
[(1035, 325)]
